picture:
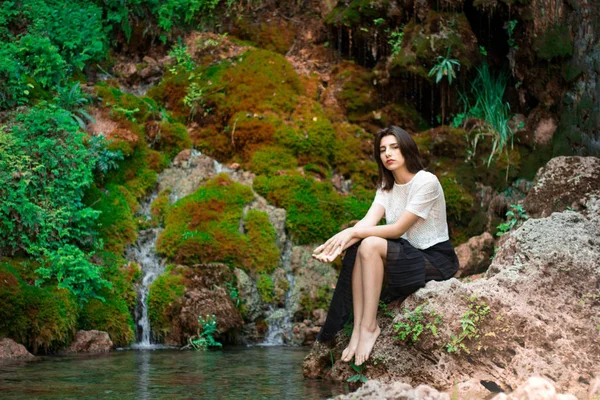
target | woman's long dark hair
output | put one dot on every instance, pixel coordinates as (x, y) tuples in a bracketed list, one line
[(409, 150)]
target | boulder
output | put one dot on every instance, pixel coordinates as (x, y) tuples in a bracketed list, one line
[(10, 350), (565, 183), (314, 281), (90, 342), (536, 388), (188, 172), (376, 390), (474, 256), (536, 311), (249, 295)]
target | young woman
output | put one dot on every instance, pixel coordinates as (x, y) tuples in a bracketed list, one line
[(411, 249)]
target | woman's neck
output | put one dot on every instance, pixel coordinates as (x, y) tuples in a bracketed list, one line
[(402, 176)]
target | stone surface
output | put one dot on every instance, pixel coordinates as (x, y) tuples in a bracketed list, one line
[(276, 215), (187, 173), (544, 310), (10, 350), (474, 256), (249, 294), (205, 294), (536, 388), (90, 342), (565, 182), (310, 276), (376, 390)]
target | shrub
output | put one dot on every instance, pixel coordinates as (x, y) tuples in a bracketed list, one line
[(266, 288), (44, 171)]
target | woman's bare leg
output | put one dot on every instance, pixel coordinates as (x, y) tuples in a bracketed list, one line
[(357, 304), (372, 253)]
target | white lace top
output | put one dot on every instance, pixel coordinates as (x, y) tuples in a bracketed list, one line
[(423, 196)]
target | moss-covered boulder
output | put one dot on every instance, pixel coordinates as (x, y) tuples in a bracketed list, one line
[(205, 227)]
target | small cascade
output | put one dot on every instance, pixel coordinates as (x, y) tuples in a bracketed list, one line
[(280, 320), (143, 252)]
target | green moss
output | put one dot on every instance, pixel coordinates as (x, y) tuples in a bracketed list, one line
[(116, 224), (41, 318), (160, 206), (125, 106), (263, 252), (267, 160), (277, 36), (266, 288), (555, 42), (204, 226), (170, 138), (320, 298), (352, 13), (111, 316), (352, 155), (458, 201), (315, 210), (310, 134), (357, 93), (164, 292), (170, 92)]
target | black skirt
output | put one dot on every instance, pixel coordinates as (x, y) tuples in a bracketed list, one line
[(406, 270)]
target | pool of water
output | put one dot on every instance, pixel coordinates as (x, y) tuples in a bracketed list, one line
[(231, 373)]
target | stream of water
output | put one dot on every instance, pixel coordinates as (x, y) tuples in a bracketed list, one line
[(231, 373)]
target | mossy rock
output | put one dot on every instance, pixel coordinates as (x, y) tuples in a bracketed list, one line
[(458, 201), (357, 93), (315, 211), (126, 106), (353, 155), (356, 11), (112, 316), (160, 207), (170, 92), (168, 138), (204, 227), (162, 301), (554, 42), (266, 288), (267, 160), (424, 41), (116, 224), (43, 319), (277, 36)]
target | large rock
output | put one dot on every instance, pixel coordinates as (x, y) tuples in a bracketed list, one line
[(474, 256), (543, 316), (565, 183), (10, 350), (205, 294), (90, 342), (312, 280), (249, 295), (376, 390)]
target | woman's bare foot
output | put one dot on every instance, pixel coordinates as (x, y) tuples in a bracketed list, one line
[(349, 351), (366, 343)]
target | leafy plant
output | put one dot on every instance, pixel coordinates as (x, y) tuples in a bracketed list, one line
[(515, 215), (395, 41), (469, 323), (416, 322), (359, 376), (106, 159), (73, 100), (45, 168), (194, 99), (444, 66), (510, 26), (205, 339), (488, 91), (182, 59)]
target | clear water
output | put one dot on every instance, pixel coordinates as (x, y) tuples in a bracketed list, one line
[(231, 373)]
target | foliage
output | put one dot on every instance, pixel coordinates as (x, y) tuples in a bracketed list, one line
[(203, 340), (14, 89), (514, 216), (359, 376), (266, 288), (554, 42), (488, 92), (44, 170), (395, 41), (73, 100), (444, 66), (510, 26), (469, 323), (181, 59), (106, 159), (415, 323)]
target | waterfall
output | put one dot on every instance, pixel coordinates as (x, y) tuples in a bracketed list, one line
[(280, 320), (143, 252)]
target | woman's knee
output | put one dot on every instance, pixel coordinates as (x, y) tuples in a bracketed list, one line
[(372, 245)]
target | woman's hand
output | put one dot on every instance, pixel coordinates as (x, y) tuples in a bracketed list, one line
[(329, 251)]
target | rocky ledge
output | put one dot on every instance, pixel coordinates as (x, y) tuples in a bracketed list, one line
[(536, 311)]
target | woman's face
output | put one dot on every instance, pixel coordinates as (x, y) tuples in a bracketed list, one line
[(389, 151)]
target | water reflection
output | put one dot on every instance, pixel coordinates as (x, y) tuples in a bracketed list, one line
[(232, 373)]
